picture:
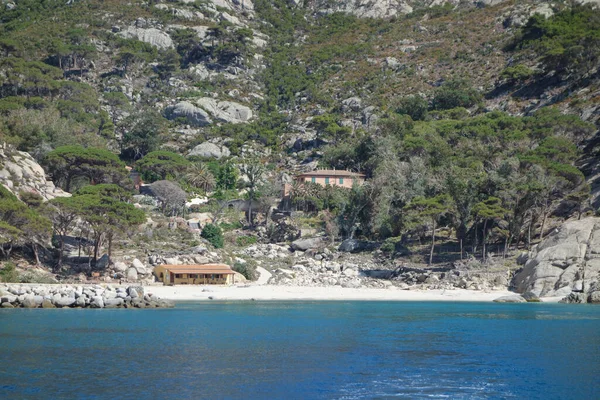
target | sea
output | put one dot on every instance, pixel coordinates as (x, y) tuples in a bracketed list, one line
[(303, 350)]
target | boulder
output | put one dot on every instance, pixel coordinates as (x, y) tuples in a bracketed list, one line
[(64, 301), (530, 297), (135, 292), (80, 301), (120, 266), (594, 297), (225, 111), (139, 266), (283, 231), (357, 246), (8, 298), (193, 115), (97, 302), (210, 150), (563, 258), (352, 104), (113, 303), (132, 274), (510, 299), (153, 36), (29, 302), (47, 303), (308, 243)]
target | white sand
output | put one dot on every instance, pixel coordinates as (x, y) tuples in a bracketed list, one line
[(273, 292)]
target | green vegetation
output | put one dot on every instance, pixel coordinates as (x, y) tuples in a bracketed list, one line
[(8, 273), (567, 43), (248, 269), (161, 165), (213, 234), (76, 165)]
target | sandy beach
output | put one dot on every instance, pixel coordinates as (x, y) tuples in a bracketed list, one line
[(273, 292)]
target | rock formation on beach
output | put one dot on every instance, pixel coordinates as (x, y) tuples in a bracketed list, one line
[(76, 296), (566, 264)]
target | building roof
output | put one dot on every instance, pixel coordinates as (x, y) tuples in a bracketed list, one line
[(199, 269), (332, 172)]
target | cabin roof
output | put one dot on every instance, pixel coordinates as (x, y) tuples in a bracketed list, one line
[(199, 269), (331, 172)]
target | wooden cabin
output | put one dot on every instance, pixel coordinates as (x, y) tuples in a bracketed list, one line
[(200, 274)]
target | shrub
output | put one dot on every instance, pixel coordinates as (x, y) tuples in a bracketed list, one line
[(517, 73), (455, 93), (414, 106), (8, 273), (247, 269), (213, 234), (245, 240)]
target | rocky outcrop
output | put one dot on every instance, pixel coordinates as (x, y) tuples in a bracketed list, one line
[(510, 299), (144, 31), (308, 243), (566, 262), (198, 112), (210, 150), (283, 230), (193, 115), (66, 296), (225, 111), (20, 172)]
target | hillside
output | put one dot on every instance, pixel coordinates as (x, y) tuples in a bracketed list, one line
[(477, 117)]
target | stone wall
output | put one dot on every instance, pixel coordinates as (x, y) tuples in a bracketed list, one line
[(70, 296)]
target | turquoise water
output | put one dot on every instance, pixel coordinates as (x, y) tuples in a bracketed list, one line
[(303, 350)]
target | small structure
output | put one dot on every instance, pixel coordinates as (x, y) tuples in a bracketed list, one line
[(332, 177), (326, 177), (201, 274)]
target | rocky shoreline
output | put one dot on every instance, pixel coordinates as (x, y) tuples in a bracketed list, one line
[(78, 296)]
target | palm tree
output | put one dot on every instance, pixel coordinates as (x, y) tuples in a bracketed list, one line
[(199, 176)]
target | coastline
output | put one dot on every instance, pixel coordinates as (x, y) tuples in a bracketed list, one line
[(331, 293)]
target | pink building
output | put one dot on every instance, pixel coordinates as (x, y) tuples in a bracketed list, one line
[(328, 177)]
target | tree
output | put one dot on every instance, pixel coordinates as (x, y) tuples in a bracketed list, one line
[(199, 176), (63, 214), (106, 190), (21, 225), (119, 218), (170, 195), (142, 133), (355, 210), (161, 165), (429, 208), (213, 234), (327, 127), (414, 106), (488, 209), (253, 170), (68, 163), (227, 176), (463, 187), (455, 93)]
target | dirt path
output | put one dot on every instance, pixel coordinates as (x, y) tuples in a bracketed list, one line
[(264, 276)]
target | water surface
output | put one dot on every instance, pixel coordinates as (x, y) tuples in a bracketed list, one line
[(303, 350)]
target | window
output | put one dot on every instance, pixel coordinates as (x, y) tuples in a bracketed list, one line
[(327, 181), (313, 179), (162, 275), (177, 275), (341, 181)]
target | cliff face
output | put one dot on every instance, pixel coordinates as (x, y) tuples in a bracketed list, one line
[(566, 263), (20, 172)]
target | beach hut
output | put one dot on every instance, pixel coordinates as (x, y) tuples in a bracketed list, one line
[(200, 274)]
